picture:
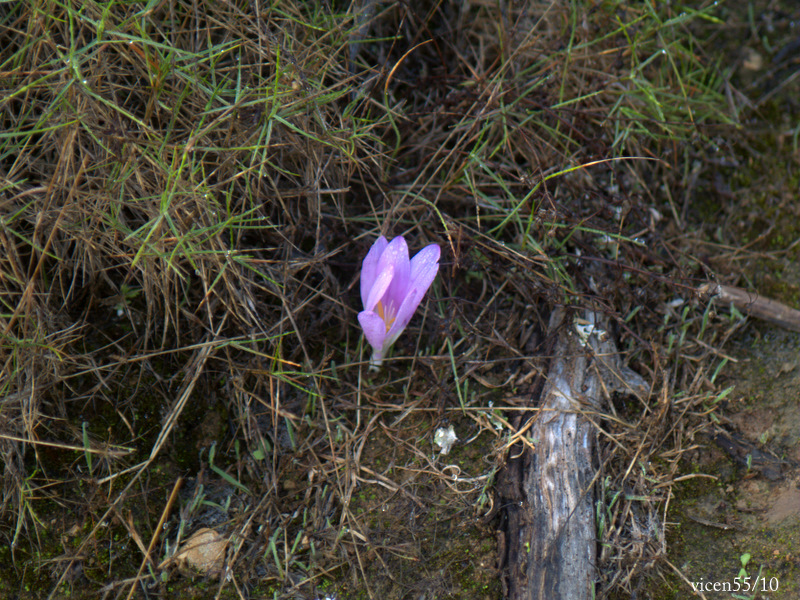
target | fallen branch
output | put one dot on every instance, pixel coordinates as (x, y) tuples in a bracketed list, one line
[(752, 304), (550, 538)]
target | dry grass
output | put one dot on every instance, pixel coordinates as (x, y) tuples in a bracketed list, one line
[(187, 191)]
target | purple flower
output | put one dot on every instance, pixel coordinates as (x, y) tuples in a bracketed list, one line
[(391, 289)]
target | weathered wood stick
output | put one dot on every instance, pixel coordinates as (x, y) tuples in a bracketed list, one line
[(752, 304), (556, 542)]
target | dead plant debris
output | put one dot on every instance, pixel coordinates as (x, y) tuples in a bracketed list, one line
[(187, 190)]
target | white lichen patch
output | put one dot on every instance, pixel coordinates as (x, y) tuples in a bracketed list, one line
[(445, 438), (584, 330)]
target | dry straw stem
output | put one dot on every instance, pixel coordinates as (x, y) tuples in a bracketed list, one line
[(148, 558), (186, 193)]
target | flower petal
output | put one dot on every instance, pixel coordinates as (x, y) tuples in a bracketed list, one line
[(369, 267), (404, 314), (382, 281), (425, 259), (397, 252), (424, 267), (392, 258), (374, 329)]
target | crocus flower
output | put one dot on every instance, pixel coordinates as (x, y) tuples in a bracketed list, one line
[(391, 289)]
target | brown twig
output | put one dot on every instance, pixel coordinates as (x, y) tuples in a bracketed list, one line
[(752, 304)]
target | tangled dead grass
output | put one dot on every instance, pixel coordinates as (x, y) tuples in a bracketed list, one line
[(187, 191)]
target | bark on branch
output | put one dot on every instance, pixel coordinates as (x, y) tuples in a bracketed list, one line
[(752, 304), (551, 535)]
